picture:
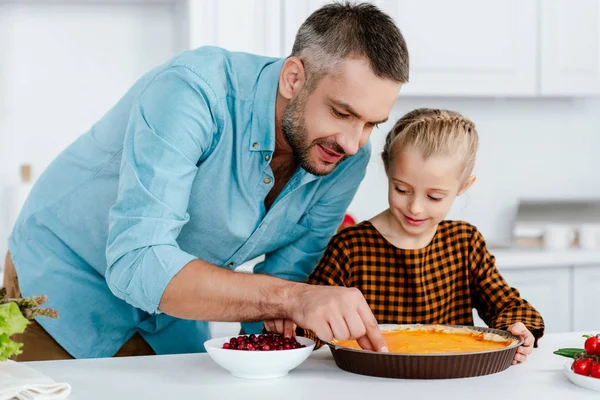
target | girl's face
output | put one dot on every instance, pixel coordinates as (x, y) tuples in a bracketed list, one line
[(421, 191)]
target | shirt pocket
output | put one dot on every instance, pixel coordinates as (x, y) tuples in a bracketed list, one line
[(284, 233)]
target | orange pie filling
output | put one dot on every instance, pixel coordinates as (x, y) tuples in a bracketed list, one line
[(436, 341)]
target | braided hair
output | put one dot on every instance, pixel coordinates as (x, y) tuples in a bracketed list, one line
[(433, 132)]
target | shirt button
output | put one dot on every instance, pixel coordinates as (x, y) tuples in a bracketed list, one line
[(254, 145), (267, 157), (267, 180), (230, 265)]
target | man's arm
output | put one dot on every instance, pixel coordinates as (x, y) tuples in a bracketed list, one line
[(172, 126)]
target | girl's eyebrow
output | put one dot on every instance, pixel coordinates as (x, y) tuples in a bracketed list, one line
[(444, 191), (400, 181)]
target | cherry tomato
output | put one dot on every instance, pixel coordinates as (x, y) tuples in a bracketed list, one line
[(592, 345), (595, 370), (582, 366)]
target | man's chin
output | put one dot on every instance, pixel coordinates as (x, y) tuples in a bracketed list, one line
[(319, 168)]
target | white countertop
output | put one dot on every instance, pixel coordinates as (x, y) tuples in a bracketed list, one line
[(542, 258), (196, 376)]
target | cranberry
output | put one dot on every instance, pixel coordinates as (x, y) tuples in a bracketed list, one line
[(262, 342)]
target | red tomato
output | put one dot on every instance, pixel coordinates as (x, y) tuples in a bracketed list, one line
[(595, 370), (592, 345), (582, 366)]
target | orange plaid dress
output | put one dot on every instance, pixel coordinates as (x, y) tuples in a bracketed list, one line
[(439, 284)]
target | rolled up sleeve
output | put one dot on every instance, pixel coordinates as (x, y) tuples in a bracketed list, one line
[(172, 125)]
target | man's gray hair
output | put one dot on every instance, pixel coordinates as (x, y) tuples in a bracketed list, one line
[(340, 30)]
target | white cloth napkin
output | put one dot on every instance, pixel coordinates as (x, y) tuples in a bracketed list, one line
[(18, 381)]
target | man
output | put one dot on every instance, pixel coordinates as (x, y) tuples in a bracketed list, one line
[(208, 161)]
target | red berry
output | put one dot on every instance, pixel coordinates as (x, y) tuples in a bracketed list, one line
[(226, 346)]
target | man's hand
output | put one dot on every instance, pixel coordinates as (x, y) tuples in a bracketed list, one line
[(335, 312), (284, 327)]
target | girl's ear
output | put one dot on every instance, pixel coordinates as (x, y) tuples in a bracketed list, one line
[(468, 183)]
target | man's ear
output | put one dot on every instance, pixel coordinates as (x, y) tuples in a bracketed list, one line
[(468, 183), (292, 78)]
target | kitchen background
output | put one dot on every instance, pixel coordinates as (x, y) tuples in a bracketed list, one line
[(526, 71)]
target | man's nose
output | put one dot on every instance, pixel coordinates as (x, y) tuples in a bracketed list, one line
[(350, 140)]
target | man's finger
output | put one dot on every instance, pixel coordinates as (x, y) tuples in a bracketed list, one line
[(279, 326), (289, 328), (322, 331), (365, 343), (373, 333), (269, 326), (339, 327)]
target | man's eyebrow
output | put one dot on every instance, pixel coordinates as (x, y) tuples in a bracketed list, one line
[(348, 108)]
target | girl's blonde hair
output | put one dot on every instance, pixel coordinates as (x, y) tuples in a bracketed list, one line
[(434, 132)]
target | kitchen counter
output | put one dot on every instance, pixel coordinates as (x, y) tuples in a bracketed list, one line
[(508, 257), (197, 376)]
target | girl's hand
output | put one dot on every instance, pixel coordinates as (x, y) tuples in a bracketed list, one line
[(525, 349)]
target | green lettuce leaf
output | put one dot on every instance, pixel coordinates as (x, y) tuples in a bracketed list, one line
[(11, 322), (8, 348)]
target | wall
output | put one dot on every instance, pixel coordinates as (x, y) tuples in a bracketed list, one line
[(53, 87)]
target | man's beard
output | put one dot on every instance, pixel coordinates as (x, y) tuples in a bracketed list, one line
[(294, 131)]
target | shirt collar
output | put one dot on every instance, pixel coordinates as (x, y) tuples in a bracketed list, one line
[(262, 137)]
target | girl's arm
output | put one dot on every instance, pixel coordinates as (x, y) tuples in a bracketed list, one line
[(498, 304)]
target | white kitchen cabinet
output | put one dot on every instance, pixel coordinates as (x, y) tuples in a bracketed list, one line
[(586, 299), (547, 289), (457, 48), (252, 26), (468, 47), (570, 47)]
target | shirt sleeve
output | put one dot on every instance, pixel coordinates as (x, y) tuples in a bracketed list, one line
[(172, 125), (498, 304)]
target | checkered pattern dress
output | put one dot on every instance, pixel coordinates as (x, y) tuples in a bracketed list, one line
[(438, 284)]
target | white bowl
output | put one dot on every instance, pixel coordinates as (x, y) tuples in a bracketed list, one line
[(258, 364), (587, 382)]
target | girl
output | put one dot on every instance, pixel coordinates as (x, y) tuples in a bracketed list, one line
[(411, 264)]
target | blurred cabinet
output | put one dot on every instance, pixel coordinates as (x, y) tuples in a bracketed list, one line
[(586, 299), (567, 297), (468, 47), (489, 48), (570, 47), (457, 48), (252, 26), (548, 290)]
